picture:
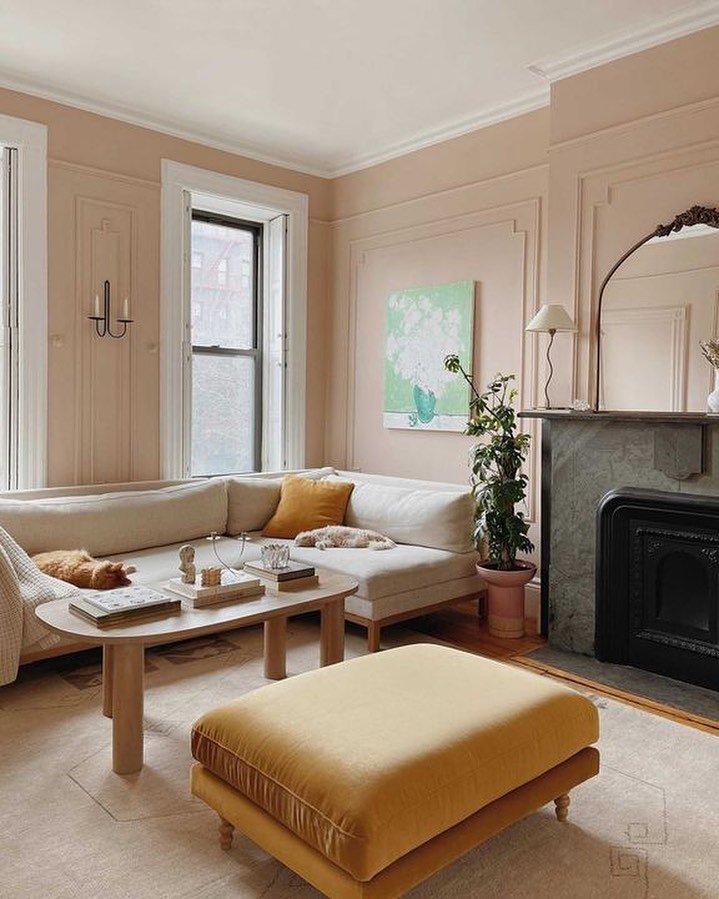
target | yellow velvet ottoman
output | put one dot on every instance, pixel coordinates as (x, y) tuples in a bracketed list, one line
[(369, 776)]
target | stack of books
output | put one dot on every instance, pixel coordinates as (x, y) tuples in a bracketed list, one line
[(234, 585), (294, 576), (125, 605)]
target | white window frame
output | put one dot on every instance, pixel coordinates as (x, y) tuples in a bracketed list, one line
[(30, 141), (183, 185)]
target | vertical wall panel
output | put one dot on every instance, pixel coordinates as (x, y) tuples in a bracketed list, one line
[(104, 405)]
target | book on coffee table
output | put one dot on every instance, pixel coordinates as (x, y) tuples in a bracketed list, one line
[(233, 585), (292, 571), (124, 605), (297, 583)]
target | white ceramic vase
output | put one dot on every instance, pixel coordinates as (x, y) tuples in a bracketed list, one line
[(713, 398)]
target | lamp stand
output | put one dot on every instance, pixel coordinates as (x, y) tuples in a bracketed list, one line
[(552, 332)]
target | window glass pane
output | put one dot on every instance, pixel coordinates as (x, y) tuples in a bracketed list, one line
[(223, 414), (222, 277)]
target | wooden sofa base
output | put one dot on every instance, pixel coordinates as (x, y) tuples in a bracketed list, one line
[(374, 628), (235, 810)]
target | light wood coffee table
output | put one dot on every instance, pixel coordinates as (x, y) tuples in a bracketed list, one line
[(123, 647)]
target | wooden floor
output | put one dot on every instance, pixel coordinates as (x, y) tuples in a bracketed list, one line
[(460, 626)]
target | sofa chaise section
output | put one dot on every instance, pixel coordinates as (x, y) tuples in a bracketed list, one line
[(432, 564)]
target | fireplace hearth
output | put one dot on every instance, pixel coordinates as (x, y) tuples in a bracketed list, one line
[(657, 583)]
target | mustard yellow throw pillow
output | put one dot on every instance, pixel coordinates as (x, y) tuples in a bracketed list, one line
[(308, 504)]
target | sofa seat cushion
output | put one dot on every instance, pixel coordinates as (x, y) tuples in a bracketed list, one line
[(120, 522), (383, 573), (371, 758), (379, 573), (159, 563)]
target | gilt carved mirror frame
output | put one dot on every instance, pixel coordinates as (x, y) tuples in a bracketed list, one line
[(697, 215)]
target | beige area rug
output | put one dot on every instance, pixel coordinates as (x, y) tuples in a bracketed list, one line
[(648, 826)]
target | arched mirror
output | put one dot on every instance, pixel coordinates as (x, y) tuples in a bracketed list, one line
[(657, 304)]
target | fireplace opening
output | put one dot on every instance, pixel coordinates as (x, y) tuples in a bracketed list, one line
[(682, 595), (658, 583)]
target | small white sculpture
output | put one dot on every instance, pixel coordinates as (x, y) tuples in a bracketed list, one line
[(187, 564)]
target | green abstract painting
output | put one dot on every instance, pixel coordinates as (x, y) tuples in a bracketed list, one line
[(424, 325)]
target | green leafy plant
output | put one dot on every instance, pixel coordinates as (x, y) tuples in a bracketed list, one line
[(498, 482)]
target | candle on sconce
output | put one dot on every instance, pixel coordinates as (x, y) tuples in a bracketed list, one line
[(126, 308), (97, 305)]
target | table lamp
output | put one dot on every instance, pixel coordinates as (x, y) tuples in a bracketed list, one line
[(550, 319)]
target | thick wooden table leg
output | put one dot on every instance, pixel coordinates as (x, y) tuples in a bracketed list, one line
[(332, 637), (107, 658), (128, 675), (275, 648)]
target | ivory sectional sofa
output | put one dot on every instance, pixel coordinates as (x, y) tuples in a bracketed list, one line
[(144, 524)]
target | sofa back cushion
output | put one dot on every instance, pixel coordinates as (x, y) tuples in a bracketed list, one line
[(112, 523), (252, 500), (251, 503), (439, 519)]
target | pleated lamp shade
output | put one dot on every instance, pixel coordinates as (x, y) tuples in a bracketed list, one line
[(551, 317)]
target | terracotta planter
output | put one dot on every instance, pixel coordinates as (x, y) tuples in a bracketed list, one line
[(505, 600)]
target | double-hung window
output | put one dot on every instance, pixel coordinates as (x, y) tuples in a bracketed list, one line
[(226, 338)]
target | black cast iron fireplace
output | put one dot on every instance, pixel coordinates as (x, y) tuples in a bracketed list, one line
[(658, 583)]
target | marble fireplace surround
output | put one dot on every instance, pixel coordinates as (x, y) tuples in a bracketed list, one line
[(584, 456)]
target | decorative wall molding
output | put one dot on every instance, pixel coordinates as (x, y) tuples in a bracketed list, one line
[(444, 193), (691, 18), (529, 232), (595, 188), (106, 247), (106, 174)]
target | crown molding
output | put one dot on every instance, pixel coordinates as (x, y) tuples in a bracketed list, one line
[(528, 102), (693, 18), (162, 126), (696, 17), (489, 116)]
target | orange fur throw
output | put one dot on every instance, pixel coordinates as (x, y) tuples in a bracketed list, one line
[(76, 566)]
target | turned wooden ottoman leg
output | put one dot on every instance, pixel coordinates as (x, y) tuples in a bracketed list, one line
[(561, 807), (226, 833)]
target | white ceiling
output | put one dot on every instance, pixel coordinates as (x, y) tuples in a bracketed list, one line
[(325, 86)]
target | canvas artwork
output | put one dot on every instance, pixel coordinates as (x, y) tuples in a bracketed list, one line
[(424, 325)]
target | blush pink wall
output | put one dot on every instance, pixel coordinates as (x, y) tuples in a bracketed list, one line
[(470, 209), (633, 143), (104, 200), (533, 209)]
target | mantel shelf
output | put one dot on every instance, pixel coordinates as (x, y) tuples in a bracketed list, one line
[(693, 418)]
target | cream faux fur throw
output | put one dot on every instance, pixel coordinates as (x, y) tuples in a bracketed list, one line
[(336, 536)]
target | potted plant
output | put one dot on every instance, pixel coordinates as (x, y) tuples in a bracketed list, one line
[(499, 486)]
